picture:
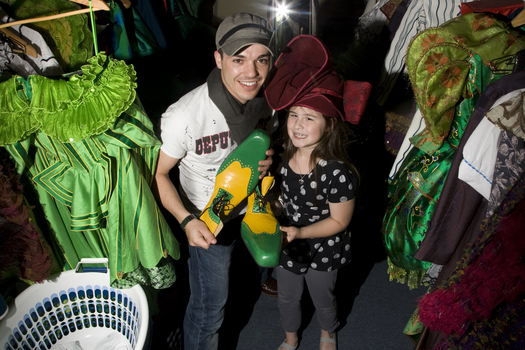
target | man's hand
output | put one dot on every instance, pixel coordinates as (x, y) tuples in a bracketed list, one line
[(264, 165), (199, 235)]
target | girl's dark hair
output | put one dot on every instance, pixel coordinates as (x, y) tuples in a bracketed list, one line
[(332, 146)]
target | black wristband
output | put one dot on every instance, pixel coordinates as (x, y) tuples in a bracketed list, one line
[(186, 220)]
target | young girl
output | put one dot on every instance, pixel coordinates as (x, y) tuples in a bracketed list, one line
[(318, 185)]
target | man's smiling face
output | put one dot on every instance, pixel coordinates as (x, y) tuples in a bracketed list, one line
[(243, 74)]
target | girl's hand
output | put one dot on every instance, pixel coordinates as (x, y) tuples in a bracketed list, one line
[(290, 233)]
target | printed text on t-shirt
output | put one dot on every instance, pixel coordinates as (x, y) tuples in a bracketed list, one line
[(209, 144)]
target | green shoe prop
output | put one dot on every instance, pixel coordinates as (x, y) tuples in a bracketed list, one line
[(236, 179), (260, 229)]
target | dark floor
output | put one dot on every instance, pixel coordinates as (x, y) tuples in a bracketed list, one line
[(371, 320), (373, 310)]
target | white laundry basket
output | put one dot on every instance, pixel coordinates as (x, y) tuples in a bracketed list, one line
[(75, 306)]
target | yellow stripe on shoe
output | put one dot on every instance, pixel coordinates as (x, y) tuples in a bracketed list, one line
[(236, 179)]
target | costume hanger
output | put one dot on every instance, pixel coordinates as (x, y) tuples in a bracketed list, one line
[(519, 20), (21, 46), (96, 5)]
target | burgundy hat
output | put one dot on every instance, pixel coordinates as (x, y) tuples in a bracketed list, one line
[(303, 75)]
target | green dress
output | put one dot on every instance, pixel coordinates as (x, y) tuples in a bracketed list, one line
[(87, 153), (69, 38), (449, 66)]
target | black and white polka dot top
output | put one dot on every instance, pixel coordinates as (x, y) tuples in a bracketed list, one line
[(306, 200)]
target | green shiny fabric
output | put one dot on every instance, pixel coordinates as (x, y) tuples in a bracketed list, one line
[(414, 191), (437, 64), (449, 67), (69, 110), (95, 191), (414, 326), (69, 38), (96, 195)]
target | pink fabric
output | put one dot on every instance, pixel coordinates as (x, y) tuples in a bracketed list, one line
[(22, 245), (501, 7), (355, 99), (496, 276)]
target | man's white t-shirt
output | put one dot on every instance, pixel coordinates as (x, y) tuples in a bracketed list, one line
[(195, 131)]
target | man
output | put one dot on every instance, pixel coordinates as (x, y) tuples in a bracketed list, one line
[(198, 133)]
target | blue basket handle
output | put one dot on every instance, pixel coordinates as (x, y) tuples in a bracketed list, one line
[(93, 261)]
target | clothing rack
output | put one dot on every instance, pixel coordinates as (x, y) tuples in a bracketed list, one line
[(94, 5)]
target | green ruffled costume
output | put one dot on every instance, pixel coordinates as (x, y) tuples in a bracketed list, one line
[(449, 67), (69, 38), (87, 152)]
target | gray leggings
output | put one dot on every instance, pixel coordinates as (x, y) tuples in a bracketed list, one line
[(321, 287)]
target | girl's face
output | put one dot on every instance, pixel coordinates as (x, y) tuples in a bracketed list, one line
[(305, 127)]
